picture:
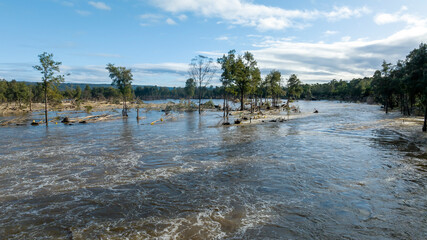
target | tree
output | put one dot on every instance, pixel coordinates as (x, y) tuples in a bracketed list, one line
[(294, 87), (246, 72), (48, 67), (122, 79), (227, 76), (87, 92), (417, 64), (78, 93), (190, 87), (272, 82), (383, 85), (201, 70), (3, 90)]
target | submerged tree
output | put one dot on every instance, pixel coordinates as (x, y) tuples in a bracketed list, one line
[(294, 87), (227, 76), (202, 70), (247, 75), (122, 79), (273, 85), (190, 87), (48, 67)]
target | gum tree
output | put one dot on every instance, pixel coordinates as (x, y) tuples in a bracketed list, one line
[(48, 68), (201, 70), (122, 79)]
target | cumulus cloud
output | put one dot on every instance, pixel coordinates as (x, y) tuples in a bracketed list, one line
[(100, 5), (170, 21), (239, 12), (345, 59), (400, 16), (385, 18)]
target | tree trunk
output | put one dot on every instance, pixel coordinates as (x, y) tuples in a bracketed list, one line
[(223, 115), (242, 105), (124, 112), (386, 107), (425, 116), (45, 105), (200, 97)]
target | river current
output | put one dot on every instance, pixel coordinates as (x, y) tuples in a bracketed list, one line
[(339, 174)]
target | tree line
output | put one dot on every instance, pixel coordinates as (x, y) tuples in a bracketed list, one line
[(402, 85)]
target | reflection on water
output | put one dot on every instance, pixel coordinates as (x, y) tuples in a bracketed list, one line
[(336, 174)]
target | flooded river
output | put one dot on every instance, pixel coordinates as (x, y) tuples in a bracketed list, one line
[(334, 175)]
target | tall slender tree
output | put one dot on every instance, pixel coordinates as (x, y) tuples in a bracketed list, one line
[(202, 70), (294, 87), (246, 71), (273, 83), (48, 67), (122, 79), (227, 76)]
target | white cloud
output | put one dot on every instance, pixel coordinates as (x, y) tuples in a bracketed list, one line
[(182, 17), (345, 59), (385, 18), (100, 5), (239, 12), (223, 38), (170, 21), (400, 16), (345, 13), (329, 33), (83, 13)]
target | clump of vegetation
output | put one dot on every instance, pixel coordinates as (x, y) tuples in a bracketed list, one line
[(208, 105), (78, 103), (88, 108)]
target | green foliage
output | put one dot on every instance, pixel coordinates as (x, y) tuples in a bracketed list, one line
[(88, 108), (272, 84), (122, 79), (240, 75), (190, 87), (209, 104), (48, 68), (294, 87)]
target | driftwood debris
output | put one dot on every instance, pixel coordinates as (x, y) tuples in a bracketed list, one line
[(95, 118)]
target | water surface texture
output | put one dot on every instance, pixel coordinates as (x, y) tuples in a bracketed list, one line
[(333, 175)]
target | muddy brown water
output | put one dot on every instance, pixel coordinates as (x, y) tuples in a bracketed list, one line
[(338, 174)]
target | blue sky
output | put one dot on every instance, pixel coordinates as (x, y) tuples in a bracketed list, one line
[(319, 40)]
